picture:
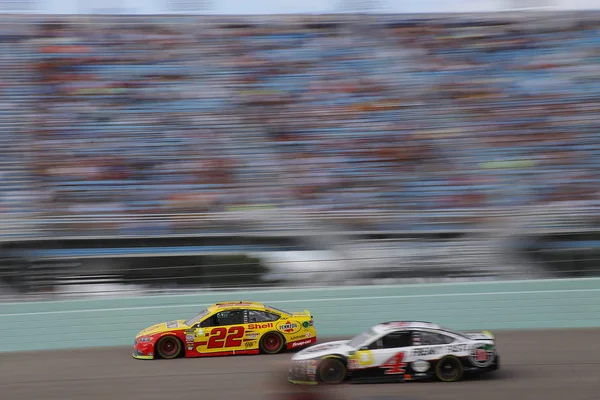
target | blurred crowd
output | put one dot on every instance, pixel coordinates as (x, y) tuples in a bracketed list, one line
[(187, 115)]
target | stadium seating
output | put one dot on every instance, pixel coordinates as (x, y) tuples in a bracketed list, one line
[(190, 115)]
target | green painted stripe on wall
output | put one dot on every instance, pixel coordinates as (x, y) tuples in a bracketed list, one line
[(564, 303)]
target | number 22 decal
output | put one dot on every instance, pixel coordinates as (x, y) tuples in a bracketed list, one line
[(234, 337), (395, 365)]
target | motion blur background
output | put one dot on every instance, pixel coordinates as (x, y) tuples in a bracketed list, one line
[(171, 153)]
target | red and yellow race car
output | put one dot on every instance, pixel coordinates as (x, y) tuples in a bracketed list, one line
[(230, 328)]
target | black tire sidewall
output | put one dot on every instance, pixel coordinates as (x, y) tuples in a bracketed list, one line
[(324, 363), (456, 364), (159, 352), (265, 336)]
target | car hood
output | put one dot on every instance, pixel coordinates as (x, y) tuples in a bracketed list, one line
[(163, 327), (320, 350)]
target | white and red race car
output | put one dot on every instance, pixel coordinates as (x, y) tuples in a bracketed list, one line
[(397, 352)]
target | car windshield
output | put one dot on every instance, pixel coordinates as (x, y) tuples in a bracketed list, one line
[(361, 338), (195, 319)]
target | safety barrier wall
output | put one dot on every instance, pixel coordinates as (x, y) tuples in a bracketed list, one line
[(564, 303)]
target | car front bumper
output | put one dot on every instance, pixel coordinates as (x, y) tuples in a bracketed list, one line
[(303, 372), (141, 357), (143, 350)]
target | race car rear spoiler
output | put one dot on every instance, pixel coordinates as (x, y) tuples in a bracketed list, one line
[(304, 313), (484, 335)]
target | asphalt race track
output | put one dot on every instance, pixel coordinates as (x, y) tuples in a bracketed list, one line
[(549, 365)]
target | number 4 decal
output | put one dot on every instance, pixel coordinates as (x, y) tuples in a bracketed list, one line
[(234, 337), (395, 365)]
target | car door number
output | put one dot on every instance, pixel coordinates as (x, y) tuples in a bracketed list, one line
[(395, 364), (223, 337)]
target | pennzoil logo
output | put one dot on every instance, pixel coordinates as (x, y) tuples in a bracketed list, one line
[(289, 327)]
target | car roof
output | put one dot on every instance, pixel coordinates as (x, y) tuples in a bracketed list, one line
[(244, 304), (389, 326), (237, 304)]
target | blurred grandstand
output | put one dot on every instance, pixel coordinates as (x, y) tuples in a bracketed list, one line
[(183, 152)]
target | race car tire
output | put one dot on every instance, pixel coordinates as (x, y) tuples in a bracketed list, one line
[(168, 347), (331, 371), (272, 343), (449, 369)]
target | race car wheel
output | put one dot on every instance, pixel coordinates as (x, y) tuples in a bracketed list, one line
[(449, 369), (331, 371), (168, 347), (271, 343)]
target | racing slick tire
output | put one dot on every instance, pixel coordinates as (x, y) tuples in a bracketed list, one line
[(272, 343), (449, 369), (331, 371), (168, 347)]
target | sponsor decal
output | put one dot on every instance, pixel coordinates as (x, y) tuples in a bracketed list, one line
[(300, 337), (289, 327), (482, 355), (420, 366), (458, 348), (429, 351), (305, 324), (189, 338), (172, 324), (252, 335), (261, 326), (302, 343), (361, 359), (190, 347), (249, 344), (365, 357)]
